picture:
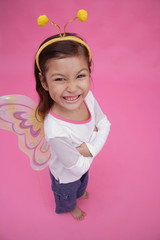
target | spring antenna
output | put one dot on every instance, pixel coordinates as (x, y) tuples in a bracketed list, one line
[(57, 26), (67, 25)]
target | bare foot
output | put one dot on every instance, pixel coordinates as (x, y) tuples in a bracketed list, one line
[(77, 213), (85, 195)]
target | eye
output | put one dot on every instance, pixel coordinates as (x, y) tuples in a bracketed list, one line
[(81, 76), (59, 79)]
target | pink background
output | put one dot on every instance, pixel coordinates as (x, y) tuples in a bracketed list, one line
[(124, 186)]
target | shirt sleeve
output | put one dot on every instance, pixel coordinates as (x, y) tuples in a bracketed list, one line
[(103, 126), (69, 156)]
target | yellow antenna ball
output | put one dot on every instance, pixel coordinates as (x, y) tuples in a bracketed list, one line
[(42, 20), (82, 15)]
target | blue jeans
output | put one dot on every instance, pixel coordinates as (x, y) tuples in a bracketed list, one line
[(66, 194)]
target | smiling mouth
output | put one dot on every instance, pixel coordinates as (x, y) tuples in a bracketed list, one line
[(71, 99)]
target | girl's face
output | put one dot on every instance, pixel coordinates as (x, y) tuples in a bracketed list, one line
[(68, 82)]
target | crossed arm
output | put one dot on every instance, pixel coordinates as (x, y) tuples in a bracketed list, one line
[(78, 160), (83, 149)]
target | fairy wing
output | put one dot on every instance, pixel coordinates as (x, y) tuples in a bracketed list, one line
[(17, 114)]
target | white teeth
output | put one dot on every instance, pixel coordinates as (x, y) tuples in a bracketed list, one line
[(71, 98)]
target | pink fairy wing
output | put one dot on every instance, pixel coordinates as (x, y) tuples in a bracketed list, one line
[(17, 114)]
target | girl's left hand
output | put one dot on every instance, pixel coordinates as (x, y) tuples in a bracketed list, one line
[(83, 150)]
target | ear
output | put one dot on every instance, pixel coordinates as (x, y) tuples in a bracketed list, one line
[(43, 82)]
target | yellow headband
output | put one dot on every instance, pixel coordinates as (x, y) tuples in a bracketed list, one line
[(65, 38), (43, 20)]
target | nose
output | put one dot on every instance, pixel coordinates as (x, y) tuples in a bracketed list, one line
[(71, 86)]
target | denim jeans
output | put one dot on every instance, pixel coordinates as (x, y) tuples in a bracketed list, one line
[(66, 194)]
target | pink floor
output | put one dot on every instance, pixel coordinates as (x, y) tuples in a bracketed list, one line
[(124, 185)]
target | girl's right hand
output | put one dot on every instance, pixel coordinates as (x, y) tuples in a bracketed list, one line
[(83, 149), (95, 129)]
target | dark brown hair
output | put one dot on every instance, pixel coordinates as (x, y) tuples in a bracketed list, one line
[(61, 49)]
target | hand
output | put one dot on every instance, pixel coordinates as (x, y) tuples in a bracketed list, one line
[(95, 129), (83, 150)]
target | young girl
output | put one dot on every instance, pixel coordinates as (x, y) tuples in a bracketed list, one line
[(75, 126)]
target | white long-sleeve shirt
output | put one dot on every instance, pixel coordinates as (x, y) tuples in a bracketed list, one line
[(67, 164)]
